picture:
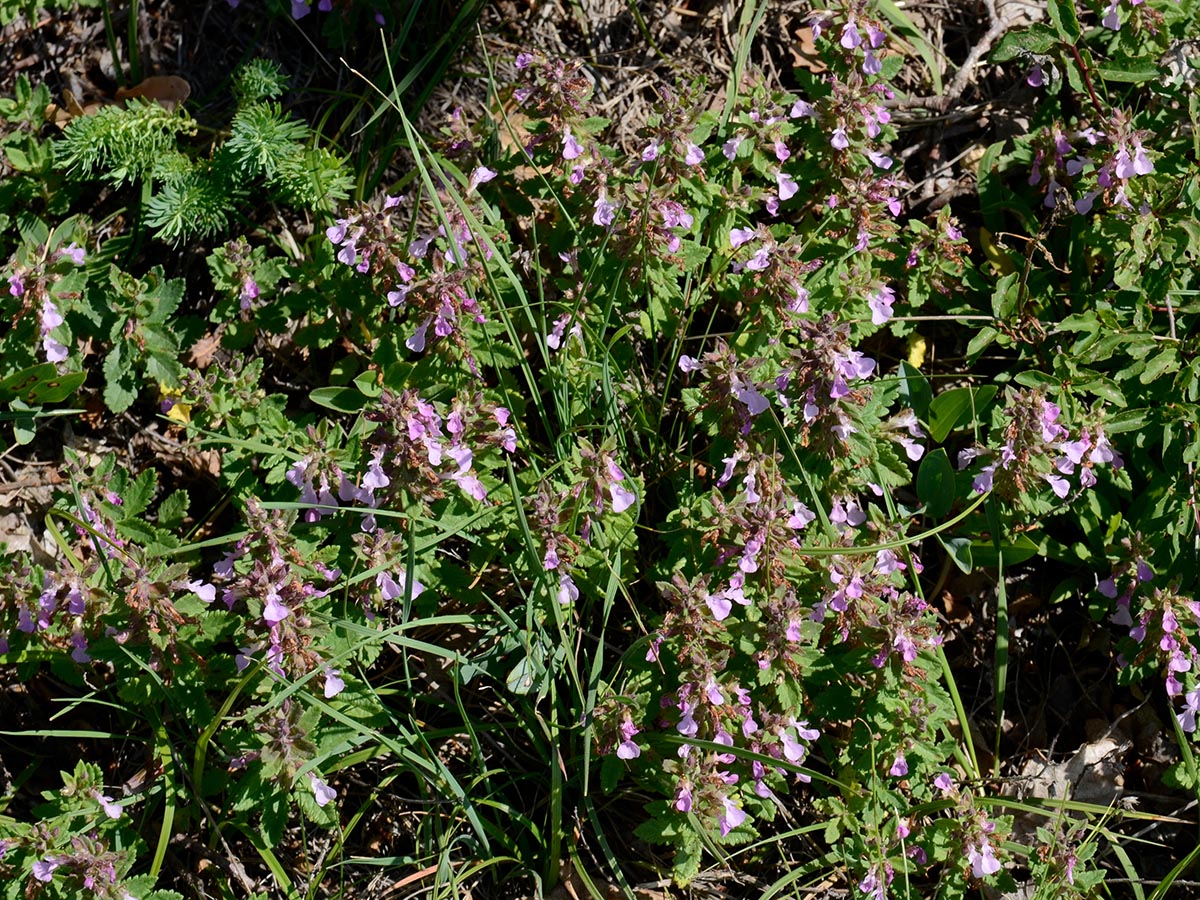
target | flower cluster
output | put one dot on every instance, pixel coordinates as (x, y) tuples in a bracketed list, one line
[(434, 275), (265, 574), (35, 282), (420, 448), (1037, 451), (1061, 166)]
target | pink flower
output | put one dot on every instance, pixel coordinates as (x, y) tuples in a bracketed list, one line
[(838, 139), (605, 212), (273, 610), (568, 593), (622, 497), (481, 175), (694, 156), (111, 808)]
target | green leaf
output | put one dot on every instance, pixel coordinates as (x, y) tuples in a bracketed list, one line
[(1015, 551), (957, 407), (339, 399), (959, 551), (1066, 22), (173, 508), (1133, 71), (935, 484), (1037, 38), (119, 387), (915, 390), (41, 384)]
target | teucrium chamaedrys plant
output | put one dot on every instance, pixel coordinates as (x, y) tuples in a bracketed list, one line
[(651, 427)]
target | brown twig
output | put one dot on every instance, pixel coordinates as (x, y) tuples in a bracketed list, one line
[(941, 103)]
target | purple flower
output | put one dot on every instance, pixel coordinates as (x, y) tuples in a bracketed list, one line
[(571, 147), (730, 148), (787, 185), (748, 394), (300, 9), (605, 212), (982, 859), (273, 610), (899, 766), (694, 156), (881, 304), (1111, 20), (1187, 718), (943, 782), (731, 817), (206, 592), (838, 139), (850, 36), (683, 797), (392, 588), (73, 252), (650, 151), (739, 236), (627, 749), (111, 809), (622, 497), (1036, 77), (568, 593), (334, 684), (323, 793), (481, 175), (43, 869), (416, 343)]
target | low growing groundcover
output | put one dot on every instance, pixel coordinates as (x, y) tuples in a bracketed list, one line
[(613, 480)]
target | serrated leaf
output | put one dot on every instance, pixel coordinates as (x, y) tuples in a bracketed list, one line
[(173, 508), (119, 387)]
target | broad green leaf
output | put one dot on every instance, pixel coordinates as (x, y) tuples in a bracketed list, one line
[(935, 484), (956, 408)]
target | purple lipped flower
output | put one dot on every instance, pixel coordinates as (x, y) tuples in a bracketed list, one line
[(334, 684), (322, 792), (787, 185), (571, 147)]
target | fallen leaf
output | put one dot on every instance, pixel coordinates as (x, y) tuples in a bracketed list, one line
[(168, 90), (805, 52)]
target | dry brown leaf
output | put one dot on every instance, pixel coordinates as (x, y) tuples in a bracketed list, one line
[(204, 349), (168, 90), (805, 52)]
